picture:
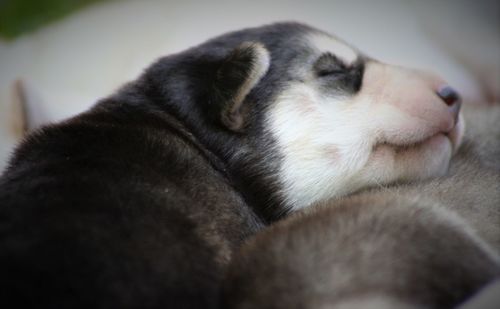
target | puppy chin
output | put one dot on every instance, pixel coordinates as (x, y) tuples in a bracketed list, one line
[(430, 160), (391, 165)]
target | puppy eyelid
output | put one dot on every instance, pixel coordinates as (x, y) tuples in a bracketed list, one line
[(328, 64)]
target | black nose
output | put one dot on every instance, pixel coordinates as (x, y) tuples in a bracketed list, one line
[(451, 97)]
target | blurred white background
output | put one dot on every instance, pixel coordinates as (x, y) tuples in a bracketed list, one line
[(68, 65)]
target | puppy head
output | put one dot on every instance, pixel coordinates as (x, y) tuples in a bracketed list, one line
[(309, 118)]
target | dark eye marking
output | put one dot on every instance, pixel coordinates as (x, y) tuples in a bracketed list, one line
[(335, 75), (328, 65)]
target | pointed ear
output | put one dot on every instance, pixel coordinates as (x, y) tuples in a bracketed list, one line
[(240, 71)]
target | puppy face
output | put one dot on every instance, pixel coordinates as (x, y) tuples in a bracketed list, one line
[(350, 122), (299, 116)]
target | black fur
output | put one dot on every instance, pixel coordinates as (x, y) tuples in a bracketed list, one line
[(141, 201)]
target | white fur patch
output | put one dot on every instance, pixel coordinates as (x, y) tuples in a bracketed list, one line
[(321, 147)]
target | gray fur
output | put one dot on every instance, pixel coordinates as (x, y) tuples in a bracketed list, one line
[(425, 245)]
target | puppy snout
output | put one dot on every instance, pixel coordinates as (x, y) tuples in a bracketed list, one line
[(451, 97)]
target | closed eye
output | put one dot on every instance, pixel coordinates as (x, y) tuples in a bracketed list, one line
[(328, 65), (328, 72)]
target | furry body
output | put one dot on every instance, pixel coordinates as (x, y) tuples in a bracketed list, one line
[(141, 201)]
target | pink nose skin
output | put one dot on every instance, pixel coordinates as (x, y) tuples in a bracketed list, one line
[(451, 97)]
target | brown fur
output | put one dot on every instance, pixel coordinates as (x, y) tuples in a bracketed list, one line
[(426, 245)]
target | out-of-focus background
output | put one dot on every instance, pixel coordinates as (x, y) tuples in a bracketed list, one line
[(57, 57)]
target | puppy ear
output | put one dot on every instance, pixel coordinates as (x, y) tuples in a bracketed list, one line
[(240, 71)]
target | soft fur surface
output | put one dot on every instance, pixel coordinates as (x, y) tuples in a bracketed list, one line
[(424, 245), (142, 200)]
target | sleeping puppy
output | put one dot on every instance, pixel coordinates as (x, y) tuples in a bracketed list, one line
[(142, 200), (422, 245)]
